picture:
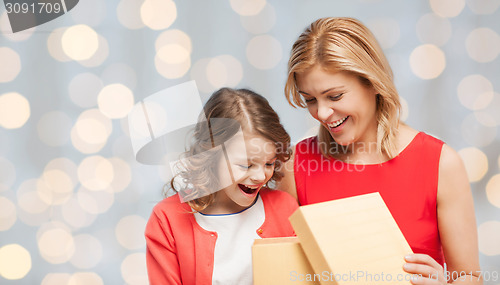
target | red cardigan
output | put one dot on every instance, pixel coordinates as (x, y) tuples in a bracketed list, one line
[(179, 251)]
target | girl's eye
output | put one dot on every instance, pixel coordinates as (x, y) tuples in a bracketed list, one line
[(336, 97), (271, 164), (244, 166)]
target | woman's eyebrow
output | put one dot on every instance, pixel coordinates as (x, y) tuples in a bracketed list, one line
[(325, 91)]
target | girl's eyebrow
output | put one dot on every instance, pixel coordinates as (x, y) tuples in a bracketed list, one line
[(325, 91)]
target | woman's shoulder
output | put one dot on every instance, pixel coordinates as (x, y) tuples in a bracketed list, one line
[(408, 136)]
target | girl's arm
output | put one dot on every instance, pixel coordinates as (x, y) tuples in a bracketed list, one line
[(287, 183), (457, 227), (161, 253)]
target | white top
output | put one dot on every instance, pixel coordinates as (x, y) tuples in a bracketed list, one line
[(233, 248)]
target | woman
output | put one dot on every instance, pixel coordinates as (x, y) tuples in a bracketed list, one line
[(339, 73)]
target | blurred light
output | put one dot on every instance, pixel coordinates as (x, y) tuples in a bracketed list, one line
[(95, 173), (427, 61), (264, 52), (56, 279), (488, 237), (88, 252), (122, 174), (485, 119), (483, 6), (11, 65), (158, 14), (476, 163), (130, 232), (483, 45), (386, 30), (224, 71), (84, 138), (176, 37), (14, 110), (247, 7), (5, 29), (63, 164), (54, 128), (199, 74), (432, 29), (95, 202), (493, 191), (54, 45), (475, 92), (56, 245), (8, 214), (173, 54), (75, 216), (476, 133), (89, 12), (262, 22), (28, 198), (85, 278), (84, 88), (99, 56), (493, 107), (115, 101), (80, 42), (133, 269), (119, 73), (447, 8), (7, 174), (55, 187), (173, 69), (405, 111), (15, 262), (128, 14)]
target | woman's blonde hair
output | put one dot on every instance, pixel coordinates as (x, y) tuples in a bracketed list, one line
[(243, 108), (345, 44)]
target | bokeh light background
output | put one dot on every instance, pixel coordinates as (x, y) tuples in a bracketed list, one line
[(74, 202)]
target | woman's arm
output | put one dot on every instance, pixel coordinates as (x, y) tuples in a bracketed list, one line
[(287, 183), (161, 253), (457, 227)]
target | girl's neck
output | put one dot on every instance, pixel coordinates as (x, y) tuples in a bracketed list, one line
[(219, 207)]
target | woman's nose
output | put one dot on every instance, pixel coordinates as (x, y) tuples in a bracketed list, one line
[(324, 111)]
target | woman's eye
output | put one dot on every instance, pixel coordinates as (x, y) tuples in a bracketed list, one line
[(309, 100), (244, 166), (336, 97)]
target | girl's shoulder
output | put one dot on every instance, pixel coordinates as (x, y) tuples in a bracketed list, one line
[(171, 205)]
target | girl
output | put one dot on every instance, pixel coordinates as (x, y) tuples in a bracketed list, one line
[(339, 73), (207, 240)]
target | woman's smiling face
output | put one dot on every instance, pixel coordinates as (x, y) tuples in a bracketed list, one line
[(341, 103)]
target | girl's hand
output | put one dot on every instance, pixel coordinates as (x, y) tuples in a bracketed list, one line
[(425, 269)]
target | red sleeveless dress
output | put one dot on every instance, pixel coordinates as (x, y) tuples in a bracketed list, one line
[(407, 183)]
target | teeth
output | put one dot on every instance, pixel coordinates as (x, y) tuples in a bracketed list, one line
[(336, 123)]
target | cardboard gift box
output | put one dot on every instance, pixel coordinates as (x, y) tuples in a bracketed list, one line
[(280, 261), (347, 241), (354, 240)]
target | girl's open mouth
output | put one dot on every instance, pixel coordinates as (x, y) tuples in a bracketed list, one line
[(249, 190)]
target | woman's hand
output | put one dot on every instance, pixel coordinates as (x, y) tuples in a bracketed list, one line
[(425, 269)]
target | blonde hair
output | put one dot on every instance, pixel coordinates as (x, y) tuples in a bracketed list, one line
[(345, 44), (245, 108)]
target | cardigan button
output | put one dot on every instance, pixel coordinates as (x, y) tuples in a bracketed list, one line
[(259, 231)]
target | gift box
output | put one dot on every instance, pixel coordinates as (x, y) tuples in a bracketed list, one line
[(280, 261), (353, 241)]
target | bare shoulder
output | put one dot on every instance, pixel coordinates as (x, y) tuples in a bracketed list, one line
[(405, 135), (451, 173)]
